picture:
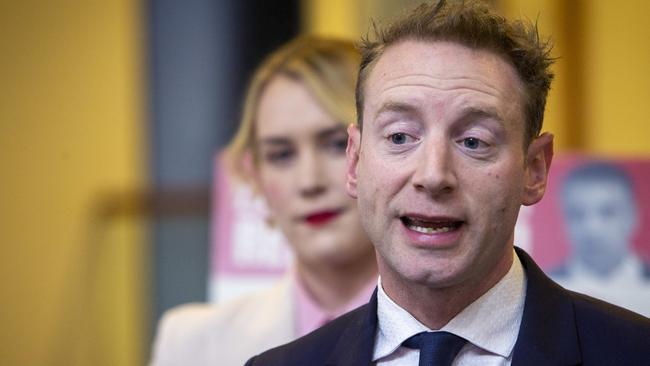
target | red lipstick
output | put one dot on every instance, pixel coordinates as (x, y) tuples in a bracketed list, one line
[(321, 217)]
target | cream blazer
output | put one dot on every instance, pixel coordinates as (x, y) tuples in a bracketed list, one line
[(227, 334)]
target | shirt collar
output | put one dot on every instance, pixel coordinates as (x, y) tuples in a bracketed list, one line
[(310, 315), (491, 322)]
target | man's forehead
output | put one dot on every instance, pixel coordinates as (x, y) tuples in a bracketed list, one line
[(440, 66), (421, 58)]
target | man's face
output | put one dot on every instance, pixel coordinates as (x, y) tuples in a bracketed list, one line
[(440, 170)]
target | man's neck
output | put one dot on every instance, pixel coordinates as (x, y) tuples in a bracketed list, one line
[(436, 306)]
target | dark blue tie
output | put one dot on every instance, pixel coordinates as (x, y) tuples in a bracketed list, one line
[(436, 348)]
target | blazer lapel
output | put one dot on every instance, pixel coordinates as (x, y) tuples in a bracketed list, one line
[(548, 334), (357, 341)]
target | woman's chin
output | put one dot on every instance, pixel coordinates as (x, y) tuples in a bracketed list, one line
[(335, 256)]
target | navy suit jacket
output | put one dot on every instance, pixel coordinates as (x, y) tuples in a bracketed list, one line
[(559, 327)]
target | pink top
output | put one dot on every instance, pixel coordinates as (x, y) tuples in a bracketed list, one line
[(311, 316)]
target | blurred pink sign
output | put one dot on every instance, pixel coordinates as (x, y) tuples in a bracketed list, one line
[(247, 254)]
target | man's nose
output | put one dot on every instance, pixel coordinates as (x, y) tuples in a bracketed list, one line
[(311, 177), (435, 172)]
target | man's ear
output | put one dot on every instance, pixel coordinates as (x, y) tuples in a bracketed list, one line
[(352, 154), (538, 163)]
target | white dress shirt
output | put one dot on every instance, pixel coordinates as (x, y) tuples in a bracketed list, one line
[(490, 324)]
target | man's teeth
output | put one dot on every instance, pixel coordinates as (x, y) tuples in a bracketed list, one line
[(430, 230)]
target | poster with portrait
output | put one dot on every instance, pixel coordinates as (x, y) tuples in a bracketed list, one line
[(591, 232)]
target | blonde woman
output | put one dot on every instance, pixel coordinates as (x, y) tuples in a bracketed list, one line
[(291, 147)]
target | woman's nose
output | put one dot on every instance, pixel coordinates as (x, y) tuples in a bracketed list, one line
[(311, 178)]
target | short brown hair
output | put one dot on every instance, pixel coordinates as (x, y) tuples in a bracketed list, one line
[(472, 24)]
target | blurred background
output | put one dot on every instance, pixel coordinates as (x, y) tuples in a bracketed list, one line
[(111, 113)]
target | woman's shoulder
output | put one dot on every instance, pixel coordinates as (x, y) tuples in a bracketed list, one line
[(188, 329), (197, 316)]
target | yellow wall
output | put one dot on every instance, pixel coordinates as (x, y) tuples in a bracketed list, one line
[(349, 19), (339, 18), (70, 129), (617, 81)]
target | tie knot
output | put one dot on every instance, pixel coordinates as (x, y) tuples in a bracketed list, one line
[(436, 348)]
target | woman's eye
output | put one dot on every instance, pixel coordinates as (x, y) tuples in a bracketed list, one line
[(398, 138), (472, 143), (278, 156), (338, 144)]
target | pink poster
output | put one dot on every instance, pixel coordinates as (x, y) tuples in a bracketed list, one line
[(591, 232), (247, 253)]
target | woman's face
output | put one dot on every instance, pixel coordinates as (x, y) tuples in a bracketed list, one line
[(301, 173)]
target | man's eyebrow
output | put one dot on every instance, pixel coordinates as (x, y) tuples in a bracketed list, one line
[(481, 111), (396, 107)]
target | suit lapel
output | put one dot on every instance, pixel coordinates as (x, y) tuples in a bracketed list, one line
[(548, 334), (356, 344)]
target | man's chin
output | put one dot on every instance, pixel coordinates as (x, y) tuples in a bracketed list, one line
[(433, 275), (437, 281)]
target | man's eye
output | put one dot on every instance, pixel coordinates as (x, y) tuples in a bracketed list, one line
[(398, 138), (472, 143)]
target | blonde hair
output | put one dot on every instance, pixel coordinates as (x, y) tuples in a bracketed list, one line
[(327, 67)]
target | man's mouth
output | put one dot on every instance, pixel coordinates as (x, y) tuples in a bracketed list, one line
[(430, 226)]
